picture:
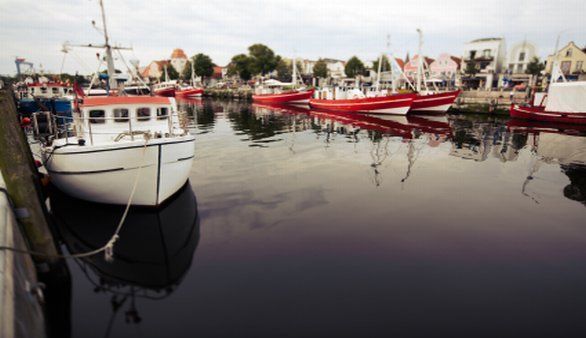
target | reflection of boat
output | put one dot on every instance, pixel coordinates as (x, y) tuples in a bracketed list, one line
[(518, 125), (281, 108), (155, 248)]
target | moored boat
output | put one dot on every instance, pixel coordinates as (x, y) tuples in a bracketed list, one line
[(566, 103), (290, 96), (189, 92), (434, 102), (116, 141), (166, 89), (398, 104)]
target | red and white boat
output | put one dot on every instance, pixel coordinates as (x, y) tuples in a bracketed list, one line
[(434, 102), (566, 103), (291, 96), (166, 89), (397, 104), (276, 92), (189, 92)]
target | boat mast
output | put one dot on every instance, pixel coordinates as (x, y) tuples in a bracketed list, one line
[(294, 76), (419, 60), (380, 64), (166, 74), (109, 58), (192, 74)]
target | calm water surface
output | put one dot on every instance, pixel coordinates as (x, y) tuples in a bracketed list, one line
[(298, 223)]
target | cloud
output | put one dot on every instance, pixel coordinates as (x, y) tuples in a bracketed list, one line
[(305, 28)]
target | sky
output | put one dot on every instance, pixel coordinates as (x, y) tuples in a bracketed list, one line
[(37, 29)]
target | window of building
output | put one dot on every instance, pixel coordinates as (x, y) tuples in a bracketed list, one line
[(486, 53), (472, 54), (55, 90), (120, 115), (521, 56), (569, 53), (143, 114), (97, 116), (162, 113), (579, 65)]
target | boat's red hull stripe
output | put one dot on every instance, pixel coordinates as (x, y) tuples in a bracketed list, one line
[(538, 114), (434, 100), (282, 98)]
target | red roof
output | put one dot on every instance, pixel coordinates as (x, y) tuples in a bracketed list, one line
[(93, 101), (400, 62), (178, 53)]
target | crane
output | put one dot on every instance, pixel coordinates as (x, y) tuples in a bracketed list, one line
[(21, 61)]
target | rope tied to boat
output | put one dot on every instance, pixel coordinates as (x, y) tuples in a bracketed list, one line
[(108, 248)]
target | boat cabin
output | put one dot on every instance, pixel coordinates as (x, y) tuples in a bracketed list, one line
[(118, 118)]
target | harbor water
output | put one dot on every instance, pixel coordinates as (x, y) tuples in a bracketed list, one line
[(299, 223)]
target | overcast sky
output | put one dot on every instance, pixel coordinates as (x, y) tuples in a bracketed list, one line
[(36, 29)]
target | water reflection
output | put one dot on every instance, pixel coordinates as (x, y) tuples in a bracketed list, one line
[(154, 252), (477, 137)]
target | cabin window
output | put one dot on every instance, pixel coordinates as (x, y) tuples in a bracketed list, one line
[(97, 116), (120, 115), (43, 90), (55, 90), (162, 113), (143, 114)]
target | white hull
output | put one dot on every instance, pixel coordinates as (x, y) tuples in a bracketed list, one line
[(392, 111), (106, 173), (440, 109)]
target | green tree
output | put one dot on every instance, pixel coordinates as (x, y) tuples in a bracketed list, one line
[(320, 69), (284, 71), (534, 67), (202, 65), (354, 67), (240, 66), (263, 59), (172, 72), (186, 73), (386, 65)]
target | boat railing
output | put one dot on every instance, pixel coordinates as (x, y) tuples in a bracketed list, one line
[(61, 126)]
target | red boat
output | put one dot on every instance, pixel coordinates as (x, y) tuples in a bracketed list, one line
[(294, 96), (435, 102), (540, 114), (166, 91), (189, 92), (398, 104)]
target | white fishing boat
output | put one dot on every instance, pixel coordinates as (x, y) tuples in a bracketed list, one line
[(119, 140), (119, 149)]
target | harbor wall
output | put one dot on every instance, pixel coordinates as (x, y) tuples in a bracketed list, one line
[(21, 310)]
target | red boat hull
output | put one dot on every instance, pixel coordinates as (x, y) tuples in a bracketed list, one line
[(301, 97), (539, 114), (434, 103), (167, 92), (398, 104), (193, 92)]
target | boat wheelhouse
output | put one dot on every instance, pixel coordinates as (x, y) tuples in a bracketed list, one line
[(113, 141)]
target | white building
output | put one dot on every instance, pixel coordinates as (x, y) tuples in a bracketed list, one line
[(335, 67), (178, 60), (488, 56), (519, 57)]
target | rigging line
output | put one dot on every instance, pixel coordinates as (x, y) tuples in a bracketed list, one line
[(137, 75), (108, 248)]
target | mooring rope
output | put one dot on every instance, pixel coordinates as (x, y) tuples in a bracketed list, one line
[(108, 248)]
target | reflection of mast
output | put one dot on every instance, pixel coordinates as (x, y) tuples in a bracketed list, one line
[(378, 159), (411, 159)]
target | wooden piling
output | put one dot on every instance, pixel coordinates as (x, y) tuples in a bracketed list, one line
[(23, 181)]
